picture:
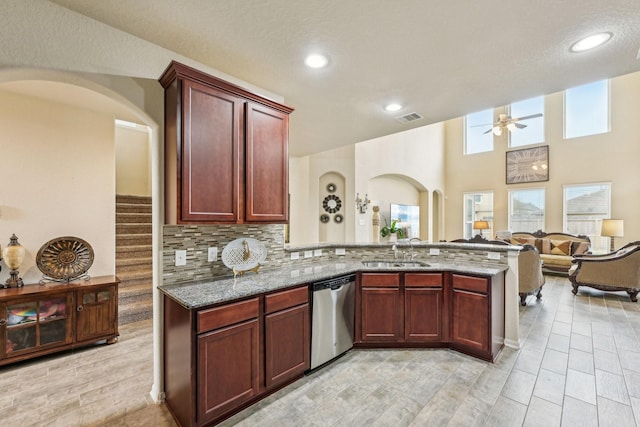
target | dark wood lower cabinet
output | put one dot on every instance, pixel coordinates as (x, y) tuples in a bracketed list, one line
[(286, 344), (217, 360), (228, 368), (431, 310)]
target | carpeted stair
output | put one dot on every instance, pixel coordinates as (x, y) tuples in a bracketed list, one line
[(133, 258)]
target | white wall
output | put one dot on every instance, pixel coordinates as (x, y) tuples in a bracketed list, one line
[(133, 161), (57, 179), (610, 157), (417, 156), (304, 178)]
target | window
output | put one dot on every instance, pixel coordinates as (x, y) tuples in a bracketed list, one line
[(586, 110), (585, 206), (478, 206), (534, 132), (476, 124), (526, 210)]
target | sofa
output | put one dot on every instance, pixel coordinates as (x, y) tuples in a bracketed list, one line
[(615, 271), (556, 249)]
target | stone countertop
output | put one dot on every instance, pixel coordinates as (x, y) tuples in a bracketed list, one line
[(200, 294)]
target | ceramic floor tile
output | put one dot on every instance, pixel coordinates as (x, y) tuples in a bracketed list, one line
[(550, 386), (542, 413), (614, 414), (565, 338), (581, 361), (607, 361), (581, 386), (577, 413)]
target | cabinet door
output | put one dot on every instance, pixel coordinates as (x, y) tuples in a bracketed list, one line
[(37, 323), (97, 313), (210, 154), (228, 369), (471, 319), (423, 308), (267, 164), (287, 344), (381, 315)]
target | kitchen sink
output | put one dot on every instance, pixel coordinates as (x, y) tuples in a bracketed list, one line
[(394, 264)]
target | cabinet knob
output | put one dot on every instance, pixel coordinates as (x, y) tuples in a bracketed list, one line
[(3, 322), (80, 308)]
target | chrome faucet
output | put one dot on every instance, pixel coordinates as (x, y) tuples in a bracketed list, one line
[(411, 246)]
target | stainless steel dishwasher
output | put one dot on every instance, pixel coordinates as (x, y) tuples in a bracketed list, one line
[(332, 318)]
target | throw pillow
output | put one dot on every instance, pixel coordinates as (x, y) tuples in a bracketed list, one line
[(579, 248), (560, 247), (523, 241), (545, 246)]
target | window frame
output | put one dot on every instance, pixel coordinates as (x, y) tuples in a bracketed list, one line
[(466, 132), (466, 223), (542, 111), (608, 112), (598, 243), (510, 208)]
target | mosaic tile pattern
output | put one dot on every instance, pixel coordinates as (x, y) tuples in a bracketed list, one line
[(196, 239)]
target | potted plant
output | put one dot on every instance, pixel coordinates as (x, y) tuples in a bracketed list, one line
[(392, 231)]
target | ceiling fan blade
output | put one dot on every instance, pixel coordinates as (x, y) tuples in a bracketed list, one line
[(486, 124), (484, 133), (532, 116), (520, 125)]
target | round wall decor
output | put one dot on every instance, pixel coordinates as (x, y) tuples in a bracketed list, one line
[(324, 218), (331, 187), (332, 203), (338, 218)]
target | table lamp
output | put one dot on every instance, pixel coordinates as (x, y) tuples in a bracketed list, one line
[(481, 225), (13, 255), (612, 228)]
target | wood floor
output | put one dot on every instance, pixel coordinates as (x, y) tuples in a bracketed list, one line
[(579, 365)]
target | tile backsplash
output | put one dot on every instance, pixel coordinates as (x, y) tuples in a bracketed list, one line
[(196, 239)]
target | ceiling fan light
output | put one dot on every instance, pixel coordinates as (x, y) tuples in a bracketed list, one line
[(590, 42), (511, 127), (497, 130)]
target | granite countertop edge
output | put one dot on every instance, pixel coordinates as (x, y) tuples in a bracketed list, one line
[(225, 289)]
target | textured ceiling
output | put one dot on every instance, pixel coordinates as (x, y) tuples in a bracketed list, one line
[(440, 59)]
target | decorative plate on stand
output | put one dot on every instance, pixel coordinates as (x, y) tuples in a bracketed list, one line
[(244, 254), (65, 259)]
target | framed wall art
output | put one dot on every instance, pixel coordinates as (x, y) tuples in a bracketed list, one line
[(528, 165)]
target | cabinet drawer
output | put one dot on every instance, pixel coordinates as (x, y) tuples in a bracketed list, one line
[(285, 299), (226, 315), (423, 280), (473, 284), (381, 280)]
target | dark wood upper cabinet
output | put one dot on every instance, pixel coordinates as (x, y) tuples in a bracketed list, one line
[(226, 151)]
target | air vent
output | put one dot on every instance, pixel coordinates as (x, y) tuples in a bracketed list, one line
[(409, 117)]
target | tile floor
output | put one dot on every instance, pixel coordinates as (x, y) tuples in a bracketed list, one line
[(579, 365)]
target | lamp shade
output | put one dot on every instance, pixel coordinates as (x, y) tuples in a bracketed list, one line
[(480, 225), (612, 228)]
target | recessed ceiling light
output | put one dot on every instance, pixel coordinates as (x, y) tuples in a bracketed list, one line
[(393, 107), (316, 61), (590, 42)]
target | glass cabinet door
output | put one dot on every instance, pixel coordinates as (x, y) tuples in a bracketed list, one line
[(32, 324)]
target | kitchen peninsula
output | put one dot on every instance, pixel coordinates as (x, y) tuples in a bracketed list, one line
[(230, 342)]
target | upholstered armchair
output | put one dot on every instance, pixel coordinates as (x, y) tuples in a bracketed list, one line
[(530, 277), (616, 271)]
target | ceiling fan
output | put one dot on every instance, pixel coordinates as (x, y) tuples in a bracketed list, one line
[(511, 124)]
